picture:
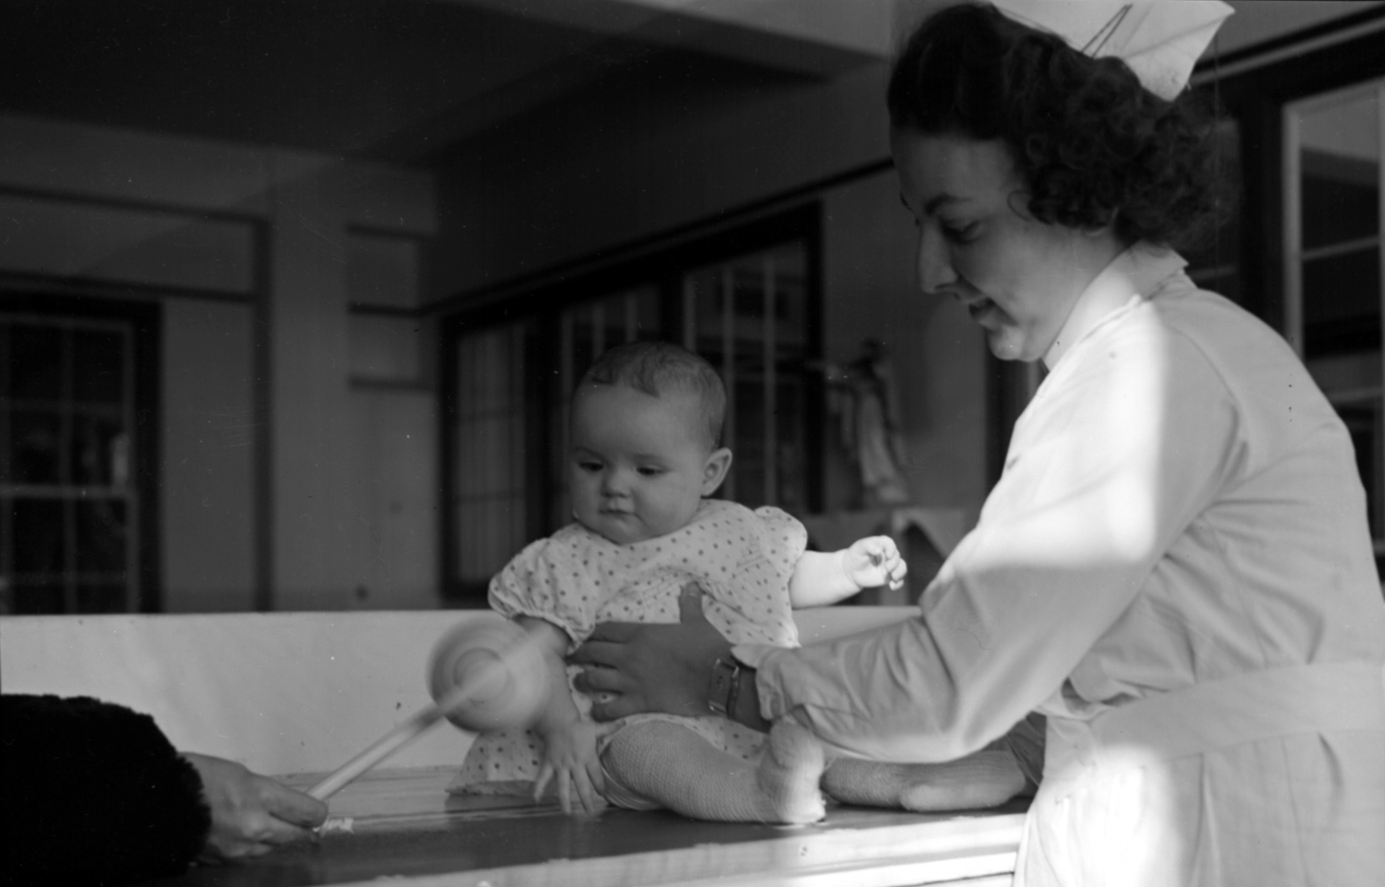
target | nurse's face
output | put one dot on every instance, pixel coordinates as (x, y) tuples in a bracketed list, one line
[(1017, 277)]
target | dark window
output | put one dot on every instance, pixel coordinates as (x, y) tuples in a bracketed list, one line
[(76, 436)]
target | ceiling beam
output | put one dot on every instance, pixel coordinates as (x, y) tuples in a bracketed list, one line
[(814, 38)]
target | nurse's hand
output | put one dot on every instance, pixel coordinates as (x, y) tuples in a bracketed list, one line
[(651, 667), (251, 813)]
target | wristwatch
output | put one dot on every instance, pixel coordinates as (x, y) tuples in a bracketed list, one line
[(723, 685)]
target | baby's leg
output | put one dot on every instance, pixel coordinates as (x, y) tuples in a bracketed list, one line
[(982, 779), (681, 771)]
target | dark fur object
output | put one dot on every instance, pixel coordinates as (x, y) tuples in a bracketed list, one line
[(94, 793)]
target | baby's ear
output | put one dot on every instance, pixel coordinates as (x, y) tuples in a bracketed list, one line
[(714, 471)]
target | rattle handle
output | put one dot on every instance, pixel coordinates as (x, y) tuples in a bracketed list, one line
[(379, 750), (386, 745)]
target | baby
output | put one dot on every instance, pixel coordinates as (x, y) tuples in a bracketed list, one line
[(645, 426)]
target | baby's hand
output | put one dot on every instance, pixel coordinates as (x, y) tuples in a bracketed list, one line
[(571, 761), (874, 561)]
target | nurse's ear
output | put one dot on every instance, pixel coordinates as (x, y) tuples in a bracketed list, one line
[(714, 470)]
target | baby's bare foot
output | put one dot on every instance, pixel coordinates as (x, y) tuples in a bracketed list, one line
[(789, 773)]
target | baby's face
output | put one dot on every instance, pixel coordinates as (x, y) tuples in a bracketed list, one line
[(640, 464)]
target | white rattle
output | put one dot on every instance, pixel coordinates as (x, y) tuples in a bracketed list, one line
[(482, 675)]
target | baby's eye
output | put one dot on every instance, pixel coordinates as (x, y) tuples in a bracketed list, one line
[(647, 471), (589, 467)]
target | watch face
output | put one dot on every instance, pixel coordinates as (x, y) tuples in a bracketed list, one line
[(722, 685)]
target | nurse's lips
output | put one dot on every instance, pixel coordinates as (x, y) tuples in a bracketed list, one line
[(980, 309)]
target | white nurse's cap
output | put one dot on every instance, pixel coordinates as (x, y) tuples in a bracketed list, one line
[(1160, 40)]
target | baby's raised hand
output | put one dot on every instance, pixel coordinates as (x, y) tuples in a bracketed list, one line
[(571, 762), (874, 561)]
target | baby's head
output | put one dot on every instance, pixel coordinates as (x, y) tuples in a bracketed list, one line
[(646, 434)]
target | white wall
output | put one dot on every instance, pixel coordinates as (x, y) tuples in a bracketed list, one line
[(279, 692)]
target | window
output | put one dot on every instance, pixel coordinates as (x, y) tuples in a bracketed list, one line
[(1333, 259), (75, 516), (746, 302)]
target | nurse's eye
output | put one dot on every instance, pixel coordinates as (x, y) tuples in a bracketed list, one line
[(961, 233)]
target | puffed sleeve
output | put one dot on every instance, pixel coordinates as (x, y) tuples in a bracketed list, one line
[(784, 538), (548, 581), (95, 794), (1121, 450)]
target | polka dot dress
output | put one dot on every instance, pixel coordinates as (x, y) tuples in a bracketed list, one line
[(742, 560)]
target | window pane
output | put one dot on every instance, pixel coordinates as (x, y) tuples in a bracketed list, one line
[(39, 540), (792, 461), (1341, 303), (101, 536), (98, 366), (35, 447), (100, 451), (101, 597), (490, 453), (750, 322), (1338, 296), (1339, 160), (1359, 371), (35, 361), (64, 430), (1363, 421), (36, 598)]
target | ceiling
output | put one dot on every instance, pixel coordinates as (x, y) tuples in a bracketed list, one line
[(404, 81), (413, 81)]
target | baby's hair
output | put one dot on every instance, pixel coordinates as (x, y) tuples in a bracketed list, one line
[(655, 368)]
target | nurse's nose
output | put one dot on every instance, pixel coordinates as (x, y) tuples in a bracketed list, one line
[(934, 261)]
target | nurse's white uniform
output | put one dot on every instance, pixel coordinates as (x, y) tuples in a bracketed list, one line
[(1175, 568)]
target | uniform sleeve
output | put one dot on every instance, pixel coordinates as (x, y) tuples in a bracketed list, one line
[(546, 581), (785, 539), (96, 794), (1121, 452)]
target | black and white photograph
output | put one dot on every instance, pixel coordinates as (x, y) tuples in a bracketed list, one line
[(713, 443)]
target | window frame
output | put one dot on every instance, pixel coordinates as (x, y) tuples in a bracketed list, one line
[(665, 267), (145, 321)]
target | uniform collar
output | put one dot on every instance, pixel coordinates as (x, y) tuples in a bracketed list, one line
[(1135, 273)]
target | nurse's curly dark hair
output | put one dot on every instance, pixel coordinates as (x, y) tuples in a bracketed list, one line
[(1093, 145)]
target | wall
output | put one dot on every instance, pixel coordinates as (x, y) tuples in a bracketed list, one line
[(938, 355), (279, 692), (635, 159), (249, 250), (208, 502), (587, 177)]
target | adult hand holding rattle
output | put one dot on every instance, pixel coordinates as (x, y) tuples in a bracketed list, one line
[(251, 814)]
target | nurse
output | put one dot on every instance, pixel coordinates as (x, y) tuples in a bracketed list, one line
[(1175, 566)]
